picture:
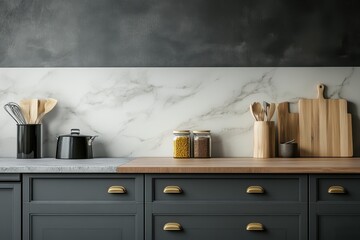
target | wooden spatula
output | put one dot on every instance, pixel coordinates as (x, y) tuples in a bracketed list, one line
[(25, 109), (50, 103), (271, 111), (34, 104), (41, 107)]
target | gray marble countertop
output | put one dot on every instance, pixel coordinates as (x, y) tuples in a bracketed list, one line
[(52, 165)]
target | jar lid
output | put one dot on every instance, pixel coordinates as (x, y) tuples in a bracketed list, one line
[(181, 131), (201, 131)]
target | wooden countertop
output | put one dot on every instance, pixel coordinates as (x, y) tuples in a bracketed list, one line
[(241, 165)]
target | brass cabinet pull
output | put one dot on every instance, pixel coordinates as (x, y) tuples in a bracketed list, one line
[(172, 227), (172, 189), (255, 189), (255, 227), (117, 189), (336, 190)]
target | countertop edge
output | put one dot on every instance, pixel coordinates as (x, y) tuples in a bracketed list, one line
[(52, 165), (242, 165)]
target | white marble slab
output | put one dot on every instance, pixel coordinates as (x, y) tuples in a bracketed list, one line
[(135, 110), (51, 165)]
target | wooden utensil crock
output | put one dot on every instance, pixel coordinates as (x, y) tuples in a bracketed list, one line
[(264, 139)]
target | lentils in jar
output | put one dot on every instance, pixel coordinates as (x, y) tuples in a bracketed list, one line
[(202, 144)]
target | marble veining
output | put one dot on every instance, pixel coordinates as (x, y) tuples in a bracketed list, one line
[(135, 110)]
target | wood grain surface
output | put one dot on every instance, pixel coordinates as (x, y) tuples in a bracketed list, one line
[(241, 165), (288, 123), (325, 127), (264, 139)]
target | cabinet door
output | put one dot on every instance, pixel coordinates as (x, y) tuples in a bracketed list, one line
[(83, 206), (334, 207), (226, 227), (334, 221), (221, 206), (10, 211)]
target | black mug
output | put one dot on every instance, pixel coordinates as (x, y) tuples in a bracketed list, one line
[(29, 141)]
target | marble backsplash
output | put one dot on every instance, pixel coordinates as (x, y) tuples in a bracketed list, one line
[(135, 110)]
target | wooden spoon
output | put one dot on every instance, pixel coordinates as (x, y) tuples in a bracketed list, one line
[(48, 106), (252, 111), (265, 109), (258, 111)]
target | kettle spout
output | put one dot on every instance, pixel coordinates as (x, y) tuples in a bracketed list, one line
[(90, 141)]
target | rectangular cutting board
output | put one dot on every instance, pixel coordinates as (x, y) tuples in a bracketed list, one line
[(288, 123), (325, 127)]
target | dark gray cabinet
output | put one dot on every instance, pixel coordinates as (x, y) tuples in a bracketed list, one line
[(334, 207), (83, 206), (180, 206), (225, 206), (10, 207)]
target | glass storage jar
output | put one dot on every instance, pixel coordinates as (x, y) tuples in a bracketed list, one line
[(181, 144), (202, 144)]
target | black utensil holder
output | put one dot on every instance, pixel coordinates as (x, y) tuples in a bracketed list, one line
[(29, 141)]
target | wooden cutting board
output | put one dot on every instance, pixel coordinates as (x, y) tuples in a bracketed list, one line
[(325, 127), (288, 123)]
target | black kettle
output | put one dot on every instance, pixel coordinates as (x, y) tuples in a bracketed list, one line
[(74, 146)]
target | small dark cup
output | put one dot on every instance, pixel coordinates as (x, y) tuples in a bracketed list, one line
[(288, 150), (29, 141)]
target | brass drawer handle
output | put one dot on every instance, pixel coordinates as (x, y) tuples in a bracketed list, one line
[(336, 190), (255, 227), (172, 189), (255, 189), (117, 189), (172, 227)]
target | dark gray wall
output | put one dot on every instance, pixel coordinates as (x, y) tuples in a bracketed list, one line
[(90, 33)]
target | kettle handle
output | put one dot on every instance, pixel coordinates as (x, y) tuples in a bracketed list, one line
[(90, 141)]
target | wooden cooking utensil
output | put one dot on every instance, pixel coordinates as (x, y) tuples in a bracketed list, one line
[(265, 110), (325, 127), (271, 111), (34, 103), (25, 109), (258, 111), (252, 112), (41, 110), (41, 107), (48, 106)]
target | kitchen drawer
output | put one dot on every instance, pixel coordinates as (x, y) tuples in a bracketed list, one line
[(220, 187), (227, 227), (89, 227), (82, 188), (334, 188), (10, 177)]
